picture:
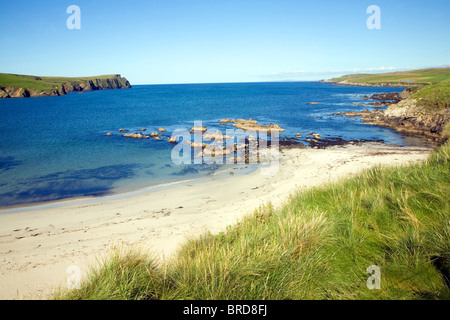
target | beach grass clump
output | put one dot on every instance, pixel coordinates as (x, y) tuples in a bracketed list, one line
[(123, 274), (318, 245)]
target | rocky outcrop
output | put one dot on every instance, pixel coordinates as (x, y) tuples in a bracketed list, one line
[(391, 96), (66, 85), (115, 82), (252, 125), (372, 84), (406, 116)]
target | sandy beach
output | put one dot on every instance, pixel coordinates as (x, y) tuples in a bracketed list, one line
[(37, 246)]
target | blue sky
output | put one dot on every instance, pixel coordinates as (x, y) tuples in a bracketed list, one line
[(192, 41)]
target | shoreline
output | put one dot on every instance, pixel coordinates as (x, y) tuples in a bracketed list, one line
[(83, 200), (116, 194), (287, 144), (38, 246)]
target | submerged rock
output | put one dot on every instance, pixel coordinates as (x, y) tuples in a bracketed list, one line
[(252, 125), (134, 135), (198, 129), (186, 170), (198, 145)]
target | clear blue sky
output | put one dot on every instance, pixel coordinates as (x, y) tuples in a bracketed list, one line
[(188, 41)]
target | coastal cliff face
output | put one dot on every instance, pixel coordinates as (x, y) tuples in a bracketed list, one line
[(408, 116), (62, 86)]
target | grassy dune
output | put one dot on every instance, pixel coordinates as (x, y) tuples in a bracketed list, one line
[(317, 246)]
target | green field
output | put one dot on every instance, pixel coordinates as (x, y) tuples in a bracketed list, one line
[(317, 246), (414, 77)]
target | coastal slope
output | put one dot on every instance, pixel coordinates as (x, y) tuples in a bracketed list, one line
[(22, 86), (412, 78)]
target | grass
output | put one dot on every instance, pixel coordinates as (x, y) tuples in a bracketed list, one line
[(42, 83), (316, 246), (406, 78), (17, 81), (434, 97)]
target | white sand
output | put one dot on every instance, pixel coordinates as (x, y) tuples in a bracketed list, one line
[(37, 247)]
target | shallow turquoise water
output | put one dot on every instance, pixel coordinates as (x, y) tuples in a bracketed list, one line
[(56, 147)]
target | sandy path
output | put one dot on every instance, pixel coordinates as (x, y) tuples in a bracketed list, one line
[(37, 247)]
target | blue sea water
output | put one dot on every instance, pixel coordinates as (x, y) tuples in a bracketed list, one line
[(56, 147)]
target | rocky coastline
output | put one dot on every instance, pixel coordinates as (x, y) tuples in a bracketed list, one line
[(213, 143), (373, 84), (66, 86), (404, 114)]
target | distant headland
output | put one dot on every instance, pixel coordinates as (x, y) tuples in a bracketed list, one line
[(23, 86), (412, 78)]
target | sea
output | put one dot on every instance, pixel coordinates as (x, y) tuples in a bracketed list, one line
[(54, 148)]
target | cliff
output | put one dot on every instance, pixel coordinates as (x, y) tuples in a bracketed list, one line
[(412, 78), (20, 86)]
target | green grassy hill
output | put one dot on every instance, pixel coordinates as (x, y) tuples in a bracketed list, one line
[(13, 85), (405, 78), (427, 98)]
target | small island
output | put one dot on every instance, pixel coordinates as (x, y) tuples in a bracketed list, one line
[(23, 86)]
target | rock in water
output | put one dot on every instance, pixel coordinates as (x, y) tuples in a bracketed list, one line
[(133, 135)]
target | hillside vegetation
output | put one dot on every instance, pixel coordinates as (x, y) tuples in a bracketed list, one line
[(433, 97), (317, 246)]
